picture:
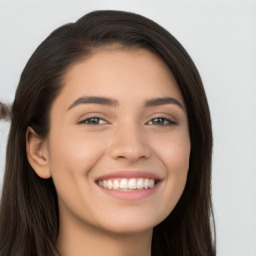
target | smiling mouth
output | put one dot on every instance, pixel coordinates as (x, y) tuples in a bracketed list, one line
[(127, 184)]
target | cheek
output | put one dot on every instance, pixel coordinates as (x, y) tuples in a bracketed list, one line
[(75, 152), (175, 152), (175, 156), (178, 161), (72, 156)]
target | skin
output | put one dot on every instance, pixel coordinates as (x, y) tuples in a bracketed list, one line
[(127, 136)]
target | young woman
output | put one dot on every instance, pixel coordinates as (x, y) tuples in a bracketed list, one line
[(109, 151)]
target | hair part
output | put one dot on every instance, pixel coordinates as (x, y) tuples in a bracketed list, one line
[(29, 207)]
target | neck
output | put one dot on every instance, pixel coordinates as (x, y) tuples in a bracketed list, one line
[(83, 240)]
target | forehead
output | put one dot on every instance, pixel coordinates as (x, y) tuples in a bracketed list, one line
[(120, 72)]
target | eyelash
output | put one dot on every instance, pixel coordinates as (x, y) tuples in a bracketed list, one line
[(165, 121), (87, 120)]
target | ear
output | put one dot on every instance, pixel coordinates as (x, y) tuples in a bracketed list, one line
[(37, 154)]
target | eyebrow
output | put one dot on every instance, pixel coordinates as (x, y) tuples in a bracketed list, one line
[(114, 103), (163, 101), (95, 100)]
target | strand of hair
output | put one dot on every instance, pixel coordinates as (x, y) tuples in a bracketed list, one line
[(5, 111)]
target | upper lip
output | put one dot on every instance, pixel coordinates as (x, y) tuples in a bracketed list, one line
[(129, 174)]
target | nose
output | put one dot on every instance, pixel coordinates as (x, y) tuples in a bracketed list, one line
[(129, 142)]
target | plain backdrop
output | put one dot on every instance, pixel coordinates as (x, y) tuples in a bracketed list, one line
[(220, 36)]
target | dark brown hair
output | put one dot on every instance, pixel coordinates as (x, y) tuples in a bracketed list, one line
[(29, 211), (4, 111)]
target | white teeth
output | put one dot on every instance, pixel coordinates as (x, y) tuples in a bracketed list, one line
[(110, 184), (127, 184), (140, 184), (146, 183), (116, 184), (151, 183), (105, 184), (123, 184), (132, 184)]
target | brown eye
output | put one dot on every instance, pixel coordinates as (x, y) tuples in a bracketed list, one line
[(93, 121), (161, 121)]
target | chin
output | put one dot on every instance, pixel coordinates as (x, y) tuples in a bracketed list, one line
[(132, 226)]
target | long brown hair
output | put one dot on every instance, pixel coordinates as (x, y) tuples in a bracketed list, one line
[(29, 211)]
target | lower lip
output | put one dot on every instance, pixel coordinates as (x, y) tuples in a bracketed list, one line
[(132, 195)]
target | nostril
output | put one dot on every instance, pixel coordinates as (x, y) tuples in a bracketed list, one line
[(121, 157)]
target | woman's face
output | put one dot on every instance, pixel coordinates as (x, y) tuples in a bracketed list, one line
[(118, 148)]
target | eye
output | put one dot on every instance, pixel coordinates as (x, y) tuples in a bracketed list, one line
[(161, 121), (93, 121)]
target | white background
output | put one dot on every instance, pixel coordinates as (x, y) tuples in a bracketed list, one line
[(221, 38)]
